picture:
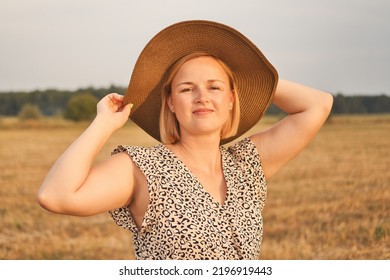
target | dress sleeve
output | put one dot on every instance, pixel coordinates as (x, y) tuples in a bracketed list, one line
[(146, 160), (246, 157), (122, 216), (245, 153)]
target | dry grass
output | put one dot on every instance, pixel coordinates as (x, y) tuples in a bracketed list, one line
[(331, 202)]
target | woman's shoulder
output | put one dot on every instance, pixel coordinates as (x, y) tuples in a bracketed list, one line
[(244, 147), (136, 150), (144, 157), (244, 153)]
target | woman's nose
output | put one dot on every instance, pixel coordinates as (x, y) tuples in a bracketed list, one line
[(202, 95)]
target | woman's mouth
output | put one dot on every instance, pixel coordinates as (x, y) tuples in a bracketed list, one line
[(202, 111)]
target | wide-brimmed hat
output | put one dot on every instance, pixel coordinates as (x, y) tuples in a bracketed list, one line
[(255, 77)]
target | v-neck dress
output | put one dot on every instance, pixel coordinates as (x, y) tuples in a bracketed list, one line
[(185, 222)]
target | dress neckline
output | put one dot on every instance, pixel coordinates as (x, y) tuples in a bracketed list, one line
[(201, 188)]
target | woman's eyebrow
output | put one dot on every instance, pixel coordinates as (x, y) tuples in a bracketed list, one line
[(184, 83), (208, 81), (215, 80)]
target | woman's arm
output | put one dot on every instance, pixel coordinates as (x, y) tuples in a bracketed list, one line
[(72, 186), (307, 110)]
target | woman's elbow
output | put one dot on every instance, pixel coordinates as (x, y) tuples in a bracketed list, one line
[(45, 201), (326, 103), (50, 201)]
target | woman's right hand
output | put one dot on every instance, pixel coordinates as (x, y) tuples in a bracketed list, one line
[(112, 109)]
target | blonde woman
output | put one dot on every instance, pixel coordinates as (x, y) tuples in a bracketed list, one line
[(196, 86)]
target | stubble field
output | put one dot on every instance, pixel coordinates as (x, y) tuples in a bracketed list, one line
[(331, 202)]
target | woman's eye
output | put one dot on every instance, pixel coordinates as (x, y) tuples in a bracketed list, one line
[(215, 88), (185, 90)]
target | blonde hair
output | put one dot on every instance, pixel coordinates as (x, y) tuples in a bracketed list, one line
[(169, 125)]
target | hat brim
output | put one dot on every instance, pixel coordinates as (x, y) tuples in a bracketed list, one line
[(254, 75)]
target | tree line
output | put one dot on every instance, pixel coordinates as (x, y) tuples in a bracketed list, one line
[(52, 102), (75, 105)]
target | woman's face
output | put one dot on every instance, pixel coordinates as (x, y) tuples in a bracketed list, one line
[(201, 96)]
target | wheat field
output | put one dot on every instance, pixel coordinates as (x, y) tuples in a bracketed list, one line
[(331, 202)]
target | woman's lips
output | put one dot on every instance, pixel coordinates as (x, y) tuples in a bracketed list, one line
[(202, 111)]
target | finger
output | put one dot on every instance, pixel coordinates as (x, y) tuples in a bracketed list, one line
[(127, 109), (118, 96), (117, 100), (115, 97)]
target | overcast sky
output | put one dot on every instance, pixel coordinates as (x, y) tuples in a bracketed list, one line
[(334, 45)]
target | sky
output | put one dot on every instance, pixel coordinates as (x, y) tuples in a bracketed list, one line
[(340, 46)]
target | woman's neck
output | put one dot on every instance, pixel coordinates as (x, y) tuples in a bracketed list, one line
[(202, 153)]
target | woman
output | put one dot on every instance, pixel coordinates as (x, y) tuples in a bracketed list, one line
[(196, 85)]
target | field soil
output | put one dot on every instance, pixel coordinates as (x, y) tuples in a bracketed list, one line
[(330, 202)]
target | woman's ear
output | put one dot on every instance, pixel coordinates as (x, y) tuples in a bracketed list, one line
[(232, 93), (169, 103)]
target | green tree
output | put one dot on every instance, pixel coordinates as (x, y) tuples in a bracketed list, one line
[(30, 112), (81, 107)]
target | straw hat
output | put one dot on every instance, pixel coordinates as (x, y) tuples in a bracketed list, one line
[(255, 77)]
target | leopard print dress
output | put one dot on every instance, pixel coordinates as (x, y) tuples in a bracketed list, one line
[(185, 222)]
